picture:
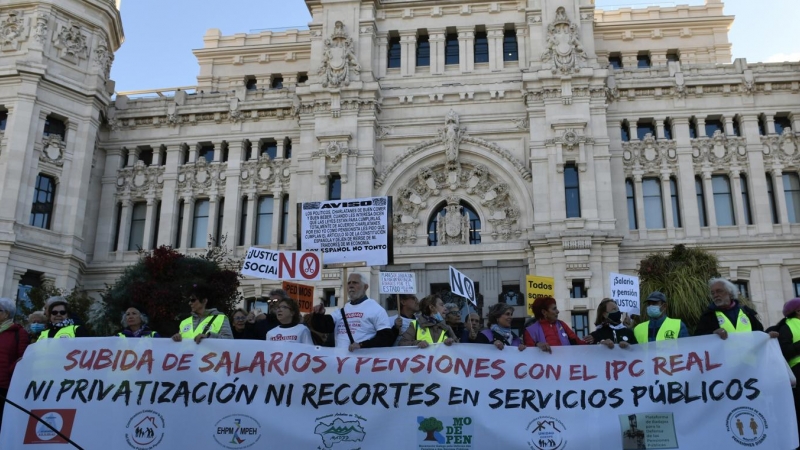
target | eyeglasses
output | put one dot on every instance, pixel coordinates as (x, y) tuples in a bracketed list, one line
[(453, 313), (60, 312), (239, 319), (283, 307)]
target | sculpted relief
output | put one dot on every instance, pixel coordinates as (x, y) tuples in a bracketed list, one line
[(338, 59), (564, 50)]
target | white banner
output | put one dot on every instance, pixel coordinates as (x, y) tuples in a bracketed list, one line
[(398, 283), (462, 286), (282, 265), (115, 393), (351, 230), (625, 291)]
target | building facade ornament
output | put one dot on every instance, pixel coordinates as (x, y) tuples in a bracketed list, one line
[(264, 174), (719, 152), (40, 32), (71, 42), (199, 178), (782, 150), (649, 156), (12, 31), (53, 150), (564, 51), (103, 57), (451, 135), (338, 59), (453, 227), (140, 180)]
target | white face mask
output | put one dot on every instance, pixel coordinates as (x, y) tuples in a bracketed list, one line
[(654, 311)]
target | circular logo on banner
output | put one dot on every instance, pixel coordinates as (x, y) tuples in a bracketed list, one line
[(237, 431), (747, 426), (310, 266), (546, 433), (145, 430), (55, 420)]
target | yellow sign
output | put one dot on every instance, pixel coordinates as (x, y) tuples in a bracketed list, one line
[(536, 287)]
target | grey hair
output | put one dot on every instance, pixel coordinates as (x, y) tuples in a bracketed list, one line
[(55, 300), (449, 306), (361, 277), (36, 314), (145, 319), (280, 293), (730, 287), (8, 305)]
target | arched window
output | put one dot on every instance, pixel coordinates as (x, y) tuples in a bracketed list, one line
[(474, 221)]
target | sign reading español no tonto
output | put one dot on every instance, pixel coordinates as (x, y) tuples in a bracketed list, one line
[(353, 230)]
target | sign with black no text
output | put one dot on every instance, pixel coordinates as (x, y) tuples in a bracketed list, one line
[(462, 286), (302, 294), (346, 231), (282, 265)]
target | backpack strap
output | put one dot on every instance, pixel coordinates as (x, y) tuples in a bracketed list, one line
[(347, 326), (210, 322)]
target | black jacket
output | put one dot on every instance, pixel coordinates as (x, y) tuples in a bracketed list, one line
[(789, 348), (709, 323), (605, 332)]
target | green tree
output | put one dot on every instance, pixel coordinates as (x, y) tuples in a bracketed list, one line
[(78, 300), (682, 275), (159, 282), (431, 425)]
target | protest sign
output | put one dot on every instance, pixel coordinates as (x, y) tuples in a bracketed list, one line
[(536, 287), (625, 291), (398, 283), (282, 265), (346, 231), (462, 286), (699, 392), (302, 294)]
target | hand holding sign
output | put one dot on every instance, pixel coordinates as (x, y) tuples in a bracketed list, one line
[(462, 286), (625, 291)]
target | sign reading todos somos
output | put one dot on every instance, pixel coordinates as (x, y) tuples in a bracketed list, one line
[(282, 265), (155, 394), (398, 283), (625, 291), (345, 231), (536, 287), (462, 286)]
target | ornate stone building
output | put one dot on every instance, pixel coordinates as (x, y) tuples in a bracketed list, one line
[(516, 137)]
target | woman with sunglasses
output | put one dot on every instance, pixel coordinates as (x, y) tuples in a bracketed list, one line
[(289, 329), (242, 328), (61, 325), (204, 322)]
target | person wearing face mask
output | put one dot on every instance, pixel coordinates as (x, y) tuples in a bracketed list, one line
[(789, 340), (430, 327), (408, 307), (726, 314), (659, 327), (36, 324), (610, 329)]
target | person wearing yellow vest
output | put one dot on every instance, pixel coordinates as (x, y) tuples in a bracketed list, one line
[(659, 327), (61, 325), (789, 340), (725, 315), (203, 323), (429, 327)]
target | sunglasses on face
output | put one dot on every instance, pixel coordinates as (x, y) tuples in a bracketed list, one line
[(60, 312)]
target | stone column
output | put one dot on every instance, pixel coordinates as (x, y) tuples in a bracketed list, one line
[(666, 204), (436, 38), (495, 34), (169, 198), (233, 199), (640, 215), (249, 232), (760, 206), (686, 180), (218, 151), (768, 118), (711, 212), (133, 156), (186, 226), (213, 214), (157, 157), (780, 199), (192, 154), (522, 44), (633, 130), (701, 127), (728, 126), (383, 57), (466, 49), (124, 227), (660, 129), (277, 203), (408, 52), (629, 60), (149, 223), (106, 219), (738, 203)]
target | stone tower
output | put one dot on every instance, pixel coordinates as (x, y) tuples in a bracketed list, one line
[(55, 59)]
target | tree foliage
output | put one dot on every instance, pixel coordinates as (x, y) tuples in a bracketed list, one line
[(431, 424), (160, 282), (78, 301), (682, 275)]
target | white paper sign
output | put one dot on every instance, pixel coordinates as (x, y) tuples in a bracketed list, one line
[(625, 291), (462, 286), (353, 230), (280, 265), (398, 283)]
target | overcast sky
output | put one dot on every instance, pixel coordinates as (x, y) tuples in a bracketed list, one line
[(160, 34)]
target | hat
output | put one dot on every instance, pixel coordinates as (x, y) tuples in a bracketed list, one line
[(657, 297), (791, 306)]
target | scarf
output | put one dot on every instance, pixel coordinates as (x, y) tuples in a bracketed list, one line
[(5, 325), (62, 324), (144, 330), (618, 326), (502, 331)]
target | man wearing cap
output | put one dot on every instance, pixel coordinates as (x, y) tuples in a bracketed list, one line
[(659, 327), (725, 314)]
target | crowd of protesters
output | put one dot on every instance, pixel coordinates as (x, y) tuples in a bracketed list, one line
[(363, 323)]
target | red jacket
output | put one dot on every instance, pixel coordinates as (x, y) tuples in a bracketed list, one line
[(11, 350)]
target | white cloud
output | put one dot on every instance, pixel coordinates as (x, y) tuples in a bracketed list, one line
[(782, 57)]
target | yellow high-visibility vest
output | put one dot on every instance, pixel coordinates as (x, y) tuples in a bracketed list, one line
[(669, 330)]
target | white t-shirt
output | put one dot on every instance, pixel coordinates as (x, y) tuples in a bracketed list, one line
[(406, 323), (298, 334), (365, 319)]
